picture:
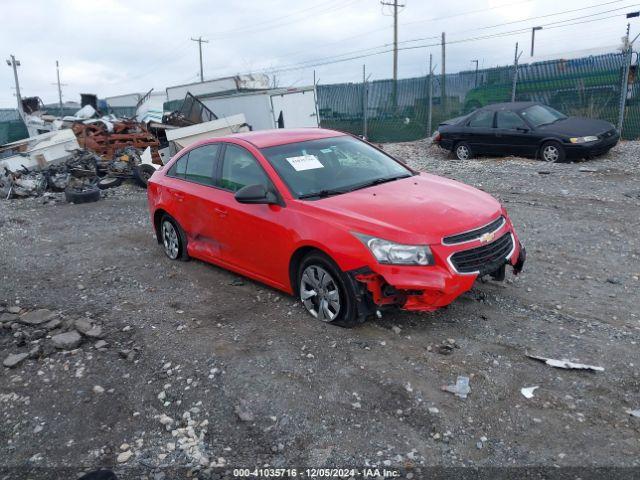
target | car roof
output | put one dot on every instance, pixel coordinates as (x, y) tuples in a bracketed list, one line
[(271, 138), (513, 106)]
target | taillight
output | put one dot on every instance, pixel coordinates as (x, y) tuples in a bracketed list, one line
[(437, 137)]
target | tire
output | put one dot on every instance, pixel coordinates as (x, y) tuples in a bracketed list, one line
[(335, 292), (90, 193), (109, 182), (142, 173), (552, 152), (463, 151), (173, 239)]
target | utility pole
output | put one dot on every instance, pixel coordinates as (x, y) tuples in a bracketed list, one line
[(443, 81), (60, 85), (364, 102), (475, 83), (516, 57), (200, 41), (430, 115), (395, 6), (15, 64), (533, 37)]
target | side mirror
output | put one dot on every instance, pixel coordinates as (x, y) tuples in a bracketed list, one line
[(257, 194)]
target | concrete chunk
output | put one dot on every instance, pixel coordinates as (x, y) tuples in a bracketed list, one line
[(37, 317), (67, 340)]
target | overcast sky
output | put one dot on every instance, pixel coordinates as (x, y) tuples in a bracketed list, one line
[(111, 47)]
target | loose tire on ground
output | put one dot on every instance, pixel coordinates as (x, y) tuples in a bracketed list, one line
[(552, 152), (463, 151), (90, 193), (331, 300), (109, 182), (142, 173)]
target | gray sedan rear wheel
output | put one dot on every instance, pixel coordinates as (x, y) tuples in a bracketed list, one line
[(463, 151)]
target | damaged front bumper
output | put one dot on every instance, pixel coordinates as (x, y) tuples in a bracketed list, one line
[(427, 288)]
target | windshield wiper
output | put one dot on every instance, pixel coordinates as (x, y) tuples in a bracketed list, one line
[(323, 193), (378, 181), (337, 191)]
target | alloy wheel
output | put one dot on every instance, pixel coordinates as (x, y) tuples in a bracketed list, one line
[(319, 293), (170, 240), (550, 153), (462, 152)]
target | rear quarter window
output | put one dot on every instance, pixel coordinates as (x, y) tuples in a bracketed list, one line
[(179, 167)]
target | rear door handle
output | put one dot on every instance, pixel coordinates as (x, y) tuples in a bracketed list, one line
[(221, 211)]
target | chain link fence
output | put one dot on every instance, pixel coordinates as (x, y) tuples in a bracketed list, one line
[(595, 87), (602, 86)]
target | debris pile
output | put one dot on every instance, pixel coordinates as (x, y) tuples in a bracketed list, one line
[(80, 177), (106, 137)]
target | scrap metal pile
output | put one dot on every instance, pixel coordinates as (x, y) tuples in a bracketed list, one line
[(81, 176), (106, 137)]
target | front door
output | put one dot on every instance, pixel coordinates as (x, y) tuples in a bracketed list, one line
[(513, 135), (253, 237)]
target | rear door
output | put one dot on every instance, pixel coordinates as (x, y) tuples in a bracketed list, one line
[(513, 134), (200, 211), (253, 237), (479, 132)]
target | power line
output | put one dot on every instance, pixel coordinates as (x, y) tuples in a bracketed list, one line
[(251, 30), (413, 47), (367, 51)]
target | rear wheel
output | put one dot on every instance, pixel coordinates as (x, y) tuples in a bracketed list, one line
[(552, 152), (463, 151), (325, 291), (173, 239)]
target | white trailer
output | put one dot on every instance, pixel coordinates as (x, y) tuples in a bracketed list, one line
[(267, 109)]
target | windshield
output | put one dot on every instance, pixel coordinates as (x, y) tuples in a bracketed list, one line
[(330, 166), (538, 115)]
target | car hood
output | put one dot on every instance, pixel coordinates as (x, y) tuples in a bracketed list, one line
[(418, 209), (577, 127)]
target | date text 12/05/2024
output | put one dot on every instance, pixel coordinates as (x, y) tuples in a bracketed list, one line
[(316, 473)]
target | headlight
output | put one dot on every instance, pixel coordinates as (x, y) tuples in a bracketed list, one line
[(589, 138), (396, 253)]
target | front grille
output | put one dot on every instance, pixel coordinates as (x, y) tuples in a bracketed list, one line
[(474, 234), (485, 259)]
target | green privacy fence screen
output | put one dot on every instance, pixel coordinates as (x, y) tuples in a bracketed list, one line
[(589, 87)]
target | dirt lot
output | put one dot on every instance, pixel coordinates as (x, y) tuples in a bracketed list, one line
[(201, 371)]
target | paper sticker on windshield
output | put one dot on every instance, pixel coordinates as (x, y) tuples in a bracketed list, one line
[(305, 162)]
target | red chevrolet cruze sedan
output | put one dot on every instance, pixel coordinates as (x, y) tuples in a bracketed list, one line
[(330, 218)]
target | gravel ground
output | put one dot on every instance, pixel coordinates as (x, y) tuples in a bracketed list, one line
[(184, 369)]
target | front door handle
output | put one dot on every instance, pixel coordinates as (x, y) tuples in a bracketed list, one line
[(179, 196)]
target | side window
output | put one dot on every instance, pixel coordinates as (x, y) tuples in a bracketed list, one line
[(240, 168), (202, 163), (482, 119), (179, 167), (509, 120)]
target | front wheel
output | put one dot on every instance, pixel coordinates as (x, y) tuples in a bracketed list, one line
[(552, 152), (325, 291)]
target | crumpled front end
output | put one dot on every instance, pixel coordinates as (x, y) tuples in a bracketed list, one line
[(459, 261)]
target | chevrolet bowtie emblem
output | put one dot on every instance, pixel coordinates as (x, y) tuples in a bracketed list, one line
[(487, 237)]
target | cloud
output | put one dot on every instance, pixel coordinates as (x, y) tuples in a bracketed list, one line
[(113, 47)]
